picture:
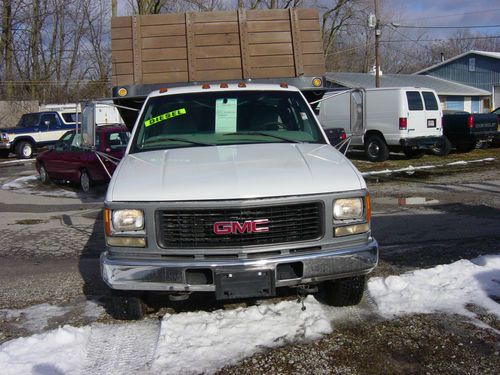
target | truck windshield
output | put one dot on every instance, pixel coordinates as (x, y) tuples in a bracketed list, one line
[(224, 118)]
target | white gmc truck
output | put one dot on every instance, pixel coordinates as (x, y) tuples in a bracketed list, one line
[(233, 189)]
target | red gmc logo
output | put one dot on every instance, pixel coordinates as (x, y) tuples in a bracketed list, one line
[(235, 227)]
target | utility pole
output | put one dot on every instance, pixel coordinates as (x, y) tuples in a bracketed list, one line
[(377, 37), (113, 8)]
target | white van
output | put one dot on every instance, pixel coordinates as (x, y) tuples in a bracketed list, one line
[(395, 119)]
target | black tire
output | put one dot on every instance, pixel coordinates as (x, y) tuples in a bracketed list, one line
[(376, 149), (44, 176), (344, 292), (4, 153), (466, 147), (85, 182), (126, 305), (413, 154), (24, 150), (441, 148)]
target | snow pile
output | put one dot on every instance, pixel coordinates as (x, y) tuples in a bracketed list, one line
[(445, 288), (61, 351), (192, 342), (202, 342)]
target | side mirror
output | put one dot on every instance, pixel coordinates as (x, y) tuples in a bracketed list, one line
[(51, 147), (87, 125)]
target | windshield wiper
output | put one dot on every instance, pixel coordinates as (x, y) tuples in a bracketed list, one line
[(265, 134), (183, 140)]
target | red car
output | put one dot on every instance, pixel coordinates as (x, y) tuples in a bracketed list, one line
[(68, 162)]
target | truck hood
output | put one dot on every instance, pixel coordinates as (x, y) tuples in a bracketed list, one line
[(233, 172)]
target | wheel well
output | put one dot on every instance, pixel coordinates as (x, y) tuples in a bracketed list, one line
[(24, 139), (374, 132)]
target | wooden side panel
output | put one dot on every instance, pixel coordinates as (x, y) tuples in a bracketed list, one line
[(205, 46), (269, 44), (313, 58), (122, 45), (216, 52)]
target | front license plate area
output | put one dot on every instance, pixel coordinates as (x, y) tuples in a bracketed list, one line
[(232, 284), (431, 123)]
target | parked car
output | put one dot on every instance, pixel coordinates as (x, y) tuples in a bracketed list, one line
[(465, 131), (67, 161), (335, 135), (406, 119), (496, 138)]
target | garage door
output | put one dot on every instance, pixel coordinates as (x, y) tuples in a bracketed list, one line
[(455, 103)]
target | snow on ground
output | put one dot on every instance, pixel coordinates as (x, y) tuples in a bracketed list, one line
[(445, 288), (201, 341), (411, 169), (34, 318), (31, 185), (196, 342)]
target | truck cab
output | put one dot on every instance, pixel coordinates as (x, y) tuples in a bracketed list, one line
[(234, 190)]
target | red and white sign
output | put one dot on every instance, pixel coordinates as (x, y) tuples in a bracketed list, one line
[(235, 227)]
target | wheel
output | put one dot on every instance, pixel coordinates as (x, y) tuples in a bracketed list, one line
[(24, 150), (85, 181), (44, 176), (376, 149), (413, 154), (442, 147), (344, 292), (126, 305), (466, 147)]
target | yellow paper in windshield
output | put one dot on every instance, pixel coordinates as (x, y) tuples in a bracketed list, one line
[(165, 116), (225, 115)]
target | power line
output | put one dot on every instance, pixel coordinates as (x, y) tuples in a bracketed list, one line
[(458, 14), (447, 27), (440, 39)]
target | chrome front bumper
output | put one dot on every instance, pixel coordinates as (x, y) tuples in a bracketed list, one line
[(168, 275), (5, 145)]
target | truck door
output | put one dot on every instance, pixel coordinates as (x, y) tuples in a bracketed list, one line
[(50, 128), (433, 113), (416, 118)]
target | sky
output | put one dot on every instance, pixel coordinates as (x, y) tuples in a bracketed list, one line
[(445, 13)]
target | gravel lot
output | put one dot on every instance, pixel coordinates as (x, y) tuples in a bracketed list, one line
[(51, 257)]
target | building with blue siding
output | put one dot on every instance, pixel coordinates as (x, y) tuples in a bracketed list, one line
[(452, 95), (480, 69)]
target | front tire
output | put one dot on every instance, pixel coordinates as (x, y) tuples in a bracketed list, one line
[(24, 150), (126, 305), (376, 149), (44, 176), (344, 292), (85, 181), (442, 147)]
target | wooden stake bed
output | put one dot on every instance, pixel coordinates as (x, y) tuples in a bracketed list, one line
[(216, 46)]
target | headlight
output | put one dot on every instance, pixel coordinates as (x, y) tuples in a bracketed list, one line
[(127, 220), (4, 137), (348, 209)]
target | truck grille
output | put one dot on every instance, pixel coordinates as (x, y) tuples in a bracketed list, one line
[(195, 228)]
